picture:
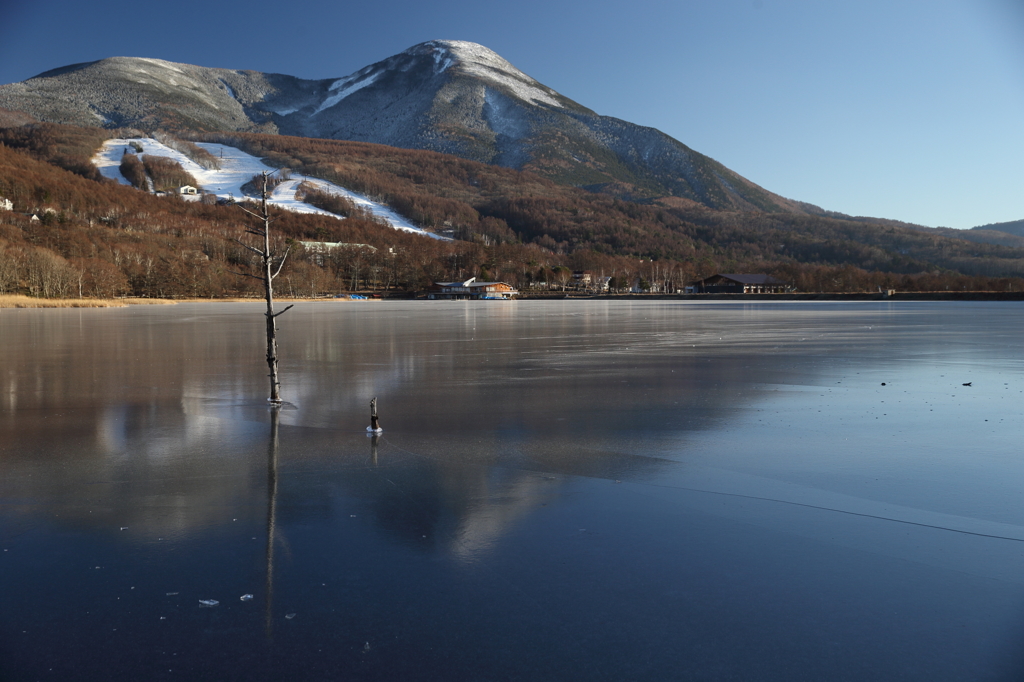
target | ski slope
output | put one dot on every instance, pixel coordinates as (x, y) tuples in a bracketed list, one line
[(237, 168)]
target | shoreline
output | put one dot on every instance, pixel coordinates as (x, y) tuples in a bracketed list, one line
[(801, 296), (19, 301)]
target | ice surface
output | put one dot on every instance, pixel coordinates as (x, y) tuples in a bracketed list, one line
[(612, 490)]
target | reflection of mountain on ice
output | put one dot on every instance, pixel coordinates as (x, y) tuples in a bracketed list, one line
[(161, 470), (238, 168), (499, 507)]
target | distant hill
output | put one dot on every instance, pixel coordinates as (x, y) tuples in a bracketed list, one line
[(986, 234), (983, 236), (454, 97), (1015, 227)]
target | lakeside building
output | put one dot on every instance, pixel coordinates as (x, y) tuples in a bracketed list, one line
[(739, 284), (472, 290)]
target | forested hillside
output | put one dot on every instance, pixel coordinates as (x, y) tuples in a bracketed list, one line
[(96, 237), (439, 190), (1014, 227)]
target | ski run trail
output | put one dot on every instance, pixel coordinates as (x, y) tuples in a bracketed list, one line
[(238, 168)]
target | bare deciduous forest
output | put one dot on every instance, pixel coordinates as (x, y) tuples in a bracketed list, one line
[(93, 237)]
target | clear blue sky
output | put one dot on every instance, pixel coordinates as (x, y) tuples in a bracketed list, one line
[(911, 110)]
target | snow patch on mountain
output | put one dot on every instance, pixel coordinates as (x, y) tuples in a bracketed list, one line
[(237, 168), (345, 87), (442, 61), (170, 66)]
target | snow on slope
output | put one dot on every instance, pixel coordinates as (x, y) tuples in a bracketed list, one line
[(237, 168), (346, 86), (479, 61)]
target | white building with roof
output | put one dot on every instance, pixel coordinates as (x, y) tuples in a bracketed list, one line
[(472, 290)]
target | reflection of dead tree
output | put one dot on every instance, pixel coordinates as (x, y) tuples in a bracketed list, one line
[(267, 276), (271, 518)]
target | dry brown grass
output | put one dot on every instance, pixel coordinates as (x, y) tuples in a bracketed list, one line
[(19, 301), (147, 301)]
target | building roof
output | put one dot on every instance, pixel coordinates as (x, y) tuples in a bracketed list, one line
[(748, 279), (470, 283)]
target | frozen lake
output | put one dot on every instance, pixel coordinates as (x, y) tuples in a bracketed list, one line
[(563, 491)]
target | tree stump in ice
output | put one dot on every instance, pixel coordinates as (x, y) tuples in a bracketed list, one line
[(374, 426)]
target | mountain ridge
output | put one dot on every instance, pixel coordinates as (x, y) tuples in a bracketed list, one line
[(1014, 227)]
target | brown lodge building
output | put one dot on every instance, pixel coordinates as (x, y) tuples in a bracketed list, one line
[(740, 284), (472, 290)]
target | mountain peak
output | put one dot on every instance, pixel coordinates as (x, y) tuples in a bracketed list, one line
[(475, 60), (447, 53)]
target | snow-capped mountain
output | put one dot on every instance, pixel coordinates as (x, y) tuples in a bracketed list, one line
[(444, 95)]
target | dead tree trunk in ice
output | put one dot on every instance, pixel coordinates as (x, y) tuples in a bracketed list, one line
[(267, 275)]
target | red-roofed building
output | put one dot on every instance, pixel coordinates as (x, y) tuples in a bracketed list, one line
[(471, 289)]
